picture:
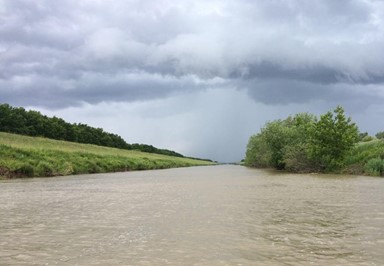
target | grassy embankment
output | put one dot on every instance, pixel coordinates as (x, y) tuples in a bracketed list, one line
[(22, 156), (366, 158)]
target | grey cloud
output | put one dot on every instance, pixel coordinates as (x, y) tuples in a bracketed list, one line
[(82, 51), (320, 15), (212, 66), (93, 88), (283, 92), (41, 24), (315, 74)]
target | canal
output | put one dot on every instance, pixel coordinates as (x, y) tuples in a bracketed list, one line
[(215, 215)]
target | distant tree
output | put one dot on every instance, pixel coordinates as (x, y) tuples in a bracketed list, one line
[(13, 120), (5, 118), (33, 123), (362, 135), (367, 138), (380, 135)]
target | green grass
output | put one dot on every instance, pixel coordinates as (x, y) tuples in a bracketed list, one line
[(366, 158), (22, 156)]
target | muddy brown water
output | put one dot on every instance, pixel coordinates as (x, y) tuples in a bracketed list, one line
[(216, 215)]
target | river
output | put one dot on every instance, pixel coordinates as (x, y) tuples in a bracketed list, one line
[(215, 215)]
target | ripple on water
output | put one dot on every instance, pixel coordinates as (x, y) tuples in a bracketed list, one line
[(224, 215)]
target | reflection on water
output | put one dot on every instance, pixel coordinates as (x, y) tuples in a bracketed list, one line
[(222, 215)]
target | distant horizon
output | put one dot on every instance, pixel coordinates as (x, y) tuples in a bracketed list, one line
[(185, 155)]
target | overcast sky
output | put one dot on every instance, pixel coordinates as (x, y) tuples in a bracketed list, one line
[(198, 77)]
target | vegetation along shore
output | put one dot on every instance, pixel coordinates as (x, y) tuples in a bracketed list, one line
[(328, 144), (24, 156), (34, 145)]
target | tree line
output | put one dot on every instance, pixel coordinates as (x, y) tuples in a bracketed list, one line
[(304, 142), (17, 120)]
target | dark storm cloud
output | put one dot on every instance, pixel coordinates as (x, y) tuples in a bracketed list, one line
[(280, 91), (316, 74), (65, 53), (53, 93)]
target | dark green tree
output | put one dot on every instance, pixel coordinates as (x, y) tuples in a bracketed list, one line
[(363, 135), (258, 153), (297, 151), (380, 135), (332, 137)]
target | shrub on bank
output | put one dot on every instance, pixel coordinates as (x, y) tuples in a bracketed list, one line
[(356, 162), (375, 167), (304, 143)]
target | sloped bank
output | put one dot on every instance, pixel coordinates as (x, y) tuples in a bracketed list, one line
[(22, 156)]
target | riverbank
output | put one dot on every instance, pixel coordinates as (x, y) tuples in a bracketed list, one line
[(23, 156)]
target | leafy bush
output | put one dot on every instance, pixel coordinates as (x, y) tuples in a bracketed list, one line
[(297, 160), (380, 135), (375, 167), (356, 160), (367, 138), (304, 143), (258, 154)]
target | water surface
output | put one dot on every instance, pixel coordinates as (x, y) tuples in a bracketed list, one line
[(220, 215)]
